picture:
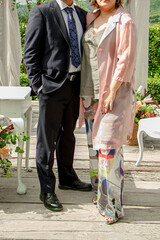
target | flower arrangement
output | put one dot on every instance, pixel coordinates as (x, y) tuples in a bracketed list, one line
[(8, 138), (146, 107)]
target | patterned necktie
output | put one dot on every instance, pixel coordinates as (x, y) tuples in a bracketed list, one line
[(75, 56)]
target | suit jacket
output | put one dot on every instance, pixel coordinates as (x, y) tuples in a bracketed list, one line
[(47, 47)]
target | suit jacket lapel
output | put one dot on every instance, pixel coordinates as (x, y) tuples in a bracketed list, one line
[(56, 11)]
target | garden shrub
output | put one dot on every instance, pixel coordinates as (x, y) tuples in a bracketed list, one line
[(24, 80), (22, 26), (154, 88), (154, 51), (23, 12)]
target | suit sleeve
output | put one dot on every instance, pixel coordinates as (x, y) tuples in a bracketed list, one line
[(126, 53), (32, 49)]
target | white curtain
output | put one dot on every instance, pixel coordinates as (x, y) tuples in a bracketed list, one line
[(10, 45), (139, 9)]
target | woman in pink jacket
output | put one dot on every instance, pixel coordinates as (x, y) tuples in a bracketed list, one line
[(108, 98)]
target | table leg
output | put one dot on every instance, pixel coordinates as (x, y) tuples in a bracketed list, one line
[(28, 134), (140, 143), (22, 189)]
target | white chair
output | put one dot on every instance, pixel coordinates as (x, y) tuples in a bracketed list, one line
[(150, 126)]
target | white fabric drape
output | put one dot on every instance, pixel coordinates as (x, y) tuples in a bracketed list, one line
[(10, 45), (139, 9)]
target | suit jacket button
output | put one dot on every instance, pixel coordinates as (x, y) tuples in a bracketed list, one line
[(100, 49)]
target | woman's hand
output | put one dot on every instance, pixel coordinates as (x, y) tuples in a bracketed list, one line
[(108, 101)]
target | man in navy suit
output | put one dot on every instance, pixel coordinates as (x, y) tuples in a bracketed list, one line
[(54, 73)]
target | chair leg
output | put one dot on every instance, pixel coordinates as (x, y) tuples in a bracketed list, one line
[(140, 143), (21, 189), (28, 133)]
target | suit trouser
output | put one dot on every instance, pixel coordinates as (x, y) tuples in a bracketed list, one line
[(58, 113)]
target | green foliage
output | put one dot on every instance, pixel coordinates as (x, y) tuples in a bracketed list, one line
[(23, 13), (13, 3), (5, 165), (22, 31), (84, 4), (154, 20), (139, 96), (18, 150), (23, 67), (44, 1), (24, 80), (144, 112), (154, 51), (154, 88)]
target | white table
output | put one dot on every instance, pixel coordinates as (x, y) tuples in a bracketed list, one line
[(16, 104), (150, 126)]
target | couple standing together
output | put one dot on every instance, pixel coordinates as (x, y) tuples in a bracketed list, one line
[(70, 54)]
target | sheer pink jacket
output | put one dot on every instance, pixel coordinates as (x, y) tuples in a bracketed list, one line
[(116, 55)]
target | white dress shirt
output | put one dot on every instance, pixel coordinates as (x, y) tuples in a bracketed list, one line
[(62, 6)]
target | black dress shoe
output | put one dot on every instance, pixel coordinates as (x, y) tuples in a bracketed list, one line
[(76, 185), (51, 201)]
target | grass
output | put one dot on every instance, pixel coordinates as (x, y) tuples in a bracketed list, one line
[(155, 11)]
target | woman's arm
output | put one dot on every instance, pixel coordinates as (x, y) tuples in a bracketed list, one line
[(125, 65)]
